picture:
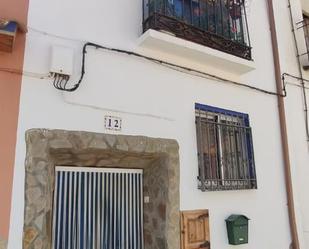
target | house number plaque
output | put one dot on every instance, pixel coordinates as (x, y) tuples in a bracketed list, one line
[(113, 123)]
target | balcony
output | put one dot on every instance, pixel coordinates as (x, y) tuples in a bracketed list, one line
[(218, 24)]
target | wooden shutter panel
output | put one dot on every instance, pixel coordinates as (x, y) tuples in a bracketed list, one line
[(195, 229)]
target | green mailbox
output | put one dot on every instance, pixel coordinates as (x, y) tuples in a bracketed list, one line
[(237, 229)]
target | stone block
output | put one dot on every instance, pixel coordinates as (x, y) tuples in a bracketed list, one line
[(137, 144), (38, 244), (110, 140), (29, 215), (98, 143), (30, 234), (60, 143), (33, 194)]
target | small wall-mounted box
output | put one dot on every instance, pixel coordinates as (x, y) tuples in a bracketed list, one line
[(8, 30), (62, 60), (237, 229)]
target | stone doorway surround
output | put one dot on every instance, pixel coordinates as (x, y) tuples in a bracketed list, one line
[(158, 158)]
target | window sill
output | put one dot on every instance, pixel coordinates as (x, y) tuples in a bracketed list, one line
[(212, 186), (175, 50)]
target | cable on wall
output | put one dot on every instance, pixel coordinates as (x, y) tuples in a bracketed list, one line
[(62, 85), (60, 81), (58, 85), (284, 75)]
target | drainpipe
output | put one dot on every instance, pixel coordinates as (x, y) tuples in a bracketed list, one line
[(283, 129)]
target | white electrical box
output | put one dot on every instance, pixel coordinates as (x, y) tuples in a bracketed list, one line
[(62, 60)]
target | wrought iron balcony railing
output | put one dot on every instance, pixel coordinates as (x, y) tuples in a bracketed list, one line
[(304, 25), (219, 24)]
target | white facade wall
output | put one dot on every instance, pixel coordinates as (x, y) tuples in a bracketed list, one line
[(305, 5), (156, 101)]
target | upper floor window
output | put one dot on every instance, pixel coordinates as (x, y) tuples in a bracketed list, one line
[(225, 150), (220, 24), (306, 30)]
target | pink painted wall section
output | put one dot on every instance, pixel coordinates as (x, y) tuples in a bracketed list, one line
[(10, 85), (15, 10)]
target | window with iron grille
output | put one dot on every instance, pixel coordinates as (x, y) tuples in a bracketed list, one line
[(225, 149), (306, 30), (219, 24)]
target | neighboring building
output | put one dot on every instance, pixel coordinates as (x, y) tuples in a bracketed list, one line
[(297, 122), (10, 86), (147, 124)]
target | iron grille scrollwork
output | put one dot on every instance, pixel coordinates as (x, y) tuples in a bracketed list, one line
[(225, 150), (219, 24)]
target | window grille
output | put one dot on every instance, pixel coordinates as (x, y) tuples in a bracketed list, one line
[(306, 30), (220, 24), (97, 208), (225, 150)]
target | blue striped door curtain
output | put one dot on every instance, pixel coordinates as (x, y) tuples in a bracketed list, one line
[(97, 208)]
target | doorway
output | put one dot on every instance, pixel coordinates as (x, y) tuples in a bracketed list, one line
[(98, 208), (157, 157)]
